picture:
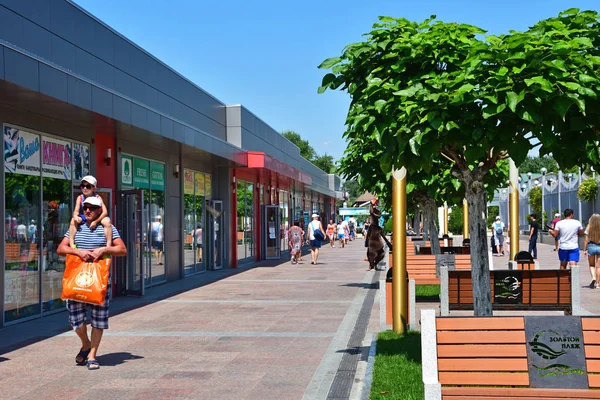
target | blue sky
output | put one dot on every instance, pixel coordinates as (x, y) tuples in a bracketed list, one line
[(264, 53)]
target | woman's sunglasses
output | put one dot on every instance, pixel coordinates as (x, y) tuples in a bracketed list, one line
[(85, 186), (91, 208)]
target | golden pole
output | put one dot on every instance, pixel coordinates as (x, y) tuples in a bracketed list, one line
[(466, 234), (399, 277), (445, 218), (513, 209)]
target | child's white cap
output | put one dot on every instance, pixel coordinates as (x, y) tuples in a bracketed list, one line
[(90, 179)]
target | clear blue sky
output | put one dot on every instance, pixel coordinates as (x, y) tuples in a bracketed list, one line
[(264, 53)]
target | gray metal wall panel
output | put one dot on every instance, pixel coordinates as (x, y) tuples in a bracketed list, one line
[(102, 102), (166, 127), (62, 18), (138, 116), (54, 83), (121, 109), (11, 28), (178, 132), (189, 136), (84, 32), (151, 97), (21, 70), (36, 39), (63, 53), (123, 82), (85, 64), (105, 74), (103, 43), (153, 122), (36, 10), (1, 62)]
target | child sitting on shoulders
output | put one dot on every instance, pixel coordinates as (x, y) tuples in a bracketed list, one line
[(88, 188)]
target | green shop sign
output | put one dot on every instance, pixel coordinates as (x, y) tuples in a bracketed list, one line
[(126, 170), (157, 177), (141, 173)]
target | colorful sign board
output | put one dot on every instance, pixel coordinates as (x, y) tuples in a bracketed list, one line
[(126, 170), (56, 159), (81, 161), (208, 186), (157, 176), (22, 152), (188, 181), (200, 183), (141, 173)]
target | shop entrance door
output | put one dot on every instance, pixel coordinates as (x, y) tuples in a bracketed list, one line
[(271, 232), (131, 272), (215, 218)]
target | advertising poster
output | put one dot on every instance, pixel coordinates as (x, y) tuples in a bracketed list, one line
[(188, 181), (126, 170), (21, 152), (141, 173), (208, 186), (199, 184), (157, 176), (81, 161), (56, 159)]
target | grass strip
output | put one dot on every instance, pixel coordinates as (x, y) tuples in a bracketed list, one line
[(427, 290), (397, 370)]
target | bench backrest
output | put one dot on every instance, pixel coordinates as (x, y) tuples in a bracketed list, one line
[(491, 351), (539, 288), (422, 268)]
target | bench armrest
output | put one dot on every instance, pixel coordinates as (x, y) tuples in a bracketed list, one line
[(433, 388)]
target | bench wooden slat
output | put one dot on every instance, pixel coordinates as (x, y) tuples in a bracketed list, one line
[(594, 380), (479, 364), (474, 350), (590, 324), (592, 351), (479, 323), (481, 337), (591, 337), (484, 378), (592, 365), (512, 393)]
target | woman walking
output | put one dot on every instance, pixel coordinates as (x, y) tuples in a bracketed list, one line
[(331, 232), (315, 243), (591, 247)]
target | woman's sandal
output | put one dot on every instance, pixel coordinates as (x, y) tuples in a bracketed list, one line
[(82, 355), (93, 364)]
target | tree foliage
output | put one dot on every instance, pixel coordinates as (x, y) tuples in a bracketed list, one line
[(423, 91), (588, 190), (535, 164), (324, 162)]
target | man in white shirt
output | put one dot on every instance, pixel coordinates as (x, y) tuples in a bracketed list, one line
[(569, 230)]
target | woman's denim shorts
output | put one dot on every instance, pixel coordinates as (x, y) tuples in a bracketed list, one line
[(593, 249)]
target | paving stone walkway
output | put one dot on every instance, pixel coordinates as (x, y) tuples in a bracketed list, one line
[(270, 332)]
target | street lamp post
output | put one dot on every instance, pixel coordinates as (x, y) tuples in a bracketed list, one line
[(579, 202), (528, 194)]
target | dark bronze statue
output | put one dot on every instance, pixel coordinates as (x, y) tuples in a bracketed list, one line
[(376, 252)]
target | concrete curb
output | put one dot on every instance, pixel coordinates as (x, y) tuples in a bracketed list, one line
[(368, 379)]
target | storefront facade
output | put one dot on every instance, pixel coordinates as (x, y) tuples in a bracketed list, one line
[(179, 171)]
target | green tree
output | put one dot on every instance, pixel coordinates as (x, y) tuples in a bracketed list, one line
[(306, 150), (428, 90), (535, 164), (325, 162), (535, 200), (455, 223)]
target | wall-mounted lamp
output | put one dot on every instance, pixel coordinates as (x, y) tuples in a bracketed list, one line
[(176, 171), (108, 156)]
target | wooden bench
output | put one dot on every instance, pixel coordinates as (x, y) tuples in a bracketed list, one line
[(515, 290), (487, 358), (423, 268), (425, 250)]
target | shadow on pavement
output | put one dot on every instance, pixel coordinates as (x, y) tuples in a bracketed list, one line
[(114, 359), (4, 359)]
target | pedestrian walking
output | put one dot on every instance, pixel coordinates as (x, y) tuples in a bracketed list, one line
[(591, 247), (315, 235), (498, 234), (569, 230), (340, 234), (157, 234), (296, 238), (557, 238), (533, 234), (331, 233), (91, 246)]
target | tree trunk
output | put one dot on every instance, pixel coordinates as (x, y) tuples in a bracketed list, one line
[(429, 225), (480, 271)]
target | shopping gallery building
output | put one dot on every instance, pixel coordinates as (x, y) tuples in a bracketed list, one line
[(78, 98)]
